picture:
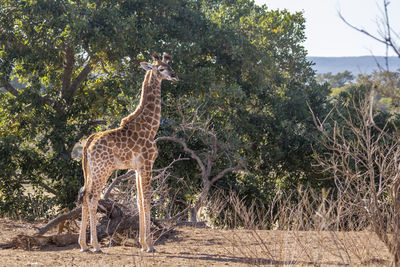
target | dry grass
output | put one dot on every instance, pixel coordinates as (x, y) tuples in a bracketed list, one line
[(191, 246), (310, 229)]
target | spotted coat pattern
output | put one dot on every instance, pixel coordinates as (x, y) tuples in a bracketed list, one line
[(130, 146)]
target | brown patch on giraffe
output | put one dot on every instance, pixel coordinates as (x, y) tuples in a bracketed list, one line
[(150, 106), (150, 98), (140, 142), (103, 141), (146, 127), (130, 144), (148, 144)]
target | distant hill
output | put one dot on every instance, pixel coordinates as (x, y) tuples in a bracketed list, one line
[(356, 65)]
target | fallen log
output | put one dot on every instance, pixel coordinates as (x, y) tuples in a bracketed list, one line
[(38, 241), (114, 219), (115, 225), (72, 215)]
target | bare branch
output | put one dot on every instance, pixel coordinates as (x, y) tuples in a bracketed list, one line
[(388, 30), (163, 170), (361, 30), (227, 170), (317, 122), (188, 150), (9, 88), (127, 175), (48, 188), (386, 33), (363, 160)]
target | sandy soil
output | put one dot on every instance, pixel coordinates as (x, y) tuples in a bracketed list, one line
[(190, 246)]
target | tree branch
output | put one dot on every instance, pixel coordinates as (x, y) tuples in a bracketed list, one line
[(162, 171), (117, 180), (386, 39), (48, 188), (227, 170), (81, 77), (9, 88), (361, 30), (186, 149), (69, 64)]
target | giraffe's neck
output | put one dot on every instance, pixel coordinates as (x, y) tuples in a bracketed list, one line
[(151, 95), (149, 109)]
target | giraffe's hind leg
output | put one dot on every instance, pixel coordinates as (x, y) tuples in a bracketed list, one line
[(84, 222), (93, 201)]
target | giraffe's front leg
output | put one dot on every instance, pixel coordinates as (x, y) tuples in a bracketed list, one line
[(144, 202), (139, 199)]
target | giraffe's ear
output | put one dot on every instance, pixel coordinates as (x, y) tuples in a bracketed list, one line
[(146, 65), (156, 57)]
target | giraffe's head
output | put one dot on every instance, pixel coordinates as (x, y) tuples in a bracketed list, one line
[(161, 68)]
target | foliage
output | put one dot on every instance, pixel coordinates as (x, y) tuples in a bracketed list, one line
[(242, 68), (336, 80), (255, 91)]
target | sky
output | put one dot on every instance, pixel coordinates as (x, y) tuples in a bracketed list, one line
[(328, 36)]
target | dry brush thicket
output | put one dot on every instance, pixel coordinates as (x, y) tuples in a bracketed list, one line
[(364, 159), (310, 225)]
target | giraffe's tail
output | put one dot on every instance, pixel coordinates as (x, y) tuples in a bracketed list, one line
[(82, 191)]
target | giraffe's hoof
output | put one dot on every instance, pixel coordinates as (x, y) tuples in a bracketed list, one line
[(148, 250), (84, 249)]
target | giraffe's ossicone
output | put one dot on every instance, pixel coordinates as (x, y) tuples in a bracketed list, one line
[(130, 146)]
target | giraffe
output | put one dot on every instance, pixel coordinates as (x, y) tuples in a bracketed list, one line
[(130, 146)]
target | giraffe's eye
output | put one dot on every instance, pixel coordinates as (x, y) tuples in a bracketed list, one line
[(161, 69)]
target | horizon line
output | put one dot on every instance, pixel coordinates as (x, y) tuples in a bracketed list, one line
[(394, 56)]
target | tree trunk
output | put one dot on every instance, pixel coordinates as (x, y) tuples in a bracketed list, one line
[(200, 201), (193, 214)]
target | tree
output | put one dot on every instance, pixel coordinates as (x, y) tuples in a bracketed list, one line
[(336, 80), (208, 159), (76, 63), (253, 87), (241, 65)]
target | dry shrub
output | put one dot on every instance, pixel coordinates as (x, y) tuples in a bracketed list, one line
[(364, 159), (309, 227)]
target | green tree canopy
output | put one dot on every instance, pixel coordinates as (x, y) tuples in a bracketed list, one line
[(242, 69)]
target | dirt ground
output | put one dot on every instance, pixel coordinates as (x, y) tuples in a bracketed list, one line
[(191, 246)]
